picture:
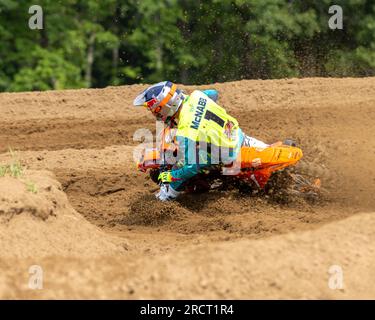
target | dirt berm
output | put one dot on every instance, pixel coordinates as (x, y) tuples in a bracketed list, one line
[(83, 214)]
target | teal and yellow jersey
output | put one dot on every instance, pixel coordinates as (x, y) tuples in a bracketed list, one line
[(206, 135)]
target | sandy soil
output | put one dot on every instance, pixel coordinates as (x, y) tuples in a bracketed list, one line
[(97, 232)]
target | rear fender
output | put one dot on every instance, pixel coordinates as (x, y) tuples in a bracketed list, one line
[(273, 157)]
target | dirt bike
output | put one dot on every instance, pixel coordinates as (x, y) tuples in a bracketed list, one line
[(264, 171)]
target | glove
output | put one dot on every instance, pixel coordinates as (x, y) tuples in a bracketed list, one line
[(166, 177), (166, 193)]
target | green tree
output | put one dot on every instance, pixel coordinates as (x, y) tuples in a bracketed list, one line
[(90, 43)]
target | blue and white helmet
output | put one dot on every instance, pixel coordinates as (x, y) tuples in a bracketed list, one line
[(162, 99)]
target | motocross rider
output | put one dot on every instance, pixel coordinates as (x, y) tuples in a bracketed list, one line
[(205, 133)]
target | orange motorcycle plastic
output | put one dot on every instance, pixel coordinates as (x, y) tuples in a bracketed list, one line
[(255, 164)]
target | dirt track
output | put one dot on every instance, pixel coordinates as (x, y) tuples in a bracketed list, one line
[(85, 138)]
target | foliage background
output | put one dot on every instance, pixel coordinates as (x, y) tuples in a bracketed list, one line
[(91, 43)]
